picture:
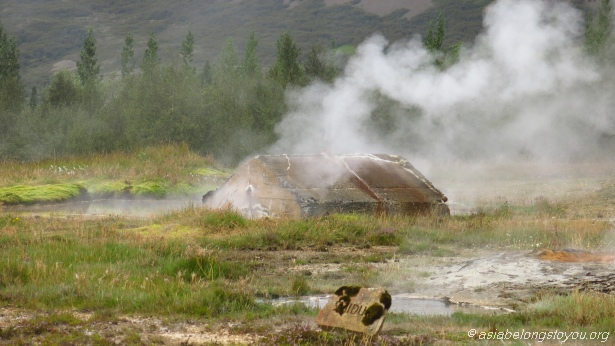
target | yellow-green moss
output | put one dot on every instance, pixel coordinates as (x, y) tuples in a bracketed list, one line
[(105, 189), (149, 189), (49, 193)]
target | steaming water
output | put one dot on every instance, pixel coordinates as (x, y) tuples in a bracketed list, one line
[(132, 207), (402, 303)]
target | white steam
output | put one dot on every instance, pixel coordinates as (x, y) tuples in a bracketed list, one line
[(524, 89)]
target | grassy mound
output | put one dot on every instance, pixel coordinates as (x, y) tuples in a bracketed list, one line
[(50, 193), (155, 172)]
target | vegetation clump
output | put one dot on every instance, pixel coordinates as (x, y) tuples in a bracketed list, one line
[(223, 220), (155, 172), (50, 193)]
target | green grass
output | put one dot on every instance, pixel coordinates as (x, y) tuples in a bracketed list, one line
[(156, 172), (223, 220), (197, 264), (149, 188), (135, 265), (576, 312), (583, 309), (50, 193), (119, 253), (204, 265), (108, 189), (412, 235), (114, 266), (96, 269)]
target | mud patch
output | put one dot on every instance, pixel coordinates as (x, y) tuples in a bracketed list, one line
[(509, 278), (573, 255)]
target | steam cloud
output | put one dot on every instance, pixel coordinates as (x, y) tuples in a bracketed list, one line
[(525, 88)]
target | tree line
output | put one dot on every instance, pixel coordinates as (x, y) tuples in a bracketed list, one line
[(226, 108)]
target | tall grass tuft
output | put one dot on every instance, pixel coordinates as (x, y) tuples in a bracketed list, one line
[(223, 220), (579, 308), (202, 264)]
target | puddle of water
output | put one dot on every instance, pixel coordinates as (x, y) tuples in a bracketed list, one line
[(402, 303), (421, 306), (318, 302), (132, 207)]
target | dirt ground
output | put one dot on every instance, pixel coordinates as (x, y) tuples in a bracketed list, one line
[(150, 330)]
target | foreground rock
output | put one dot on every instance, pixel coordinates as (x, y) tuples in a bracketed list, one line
[(356, 309)]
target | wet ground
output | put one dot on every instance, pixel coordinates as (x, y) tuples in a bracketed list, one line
[(401, 303), (489, 282)]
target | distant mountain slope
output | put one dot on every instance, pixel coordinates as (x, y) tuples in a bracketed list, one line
[(384, 7), (49, 32)]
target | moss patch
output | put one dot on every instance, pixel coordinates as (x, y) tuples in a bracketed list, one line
[(53, 193), (149, 189), (49, 193), (108, 189), (349, 291), (165, 231), (154, 172), (372, 314), (210, 172)]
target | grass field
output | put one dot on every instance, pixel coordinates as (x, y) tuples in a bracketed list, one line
[(165, 278)]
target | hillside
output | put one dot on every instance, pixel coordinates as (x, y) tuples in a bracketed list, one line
[(51, 32)]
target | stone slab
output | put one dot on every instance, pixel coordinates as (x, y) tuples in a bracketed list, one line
[(356, 309)]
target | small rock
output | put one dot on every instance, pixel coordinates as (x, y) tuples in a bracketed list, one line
[(356, 309)]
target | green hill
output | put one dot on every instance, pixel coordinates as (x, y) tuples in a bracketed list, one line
[(51, 32)]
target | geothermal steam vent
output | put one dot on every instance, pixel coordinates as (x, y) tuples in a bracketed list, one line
[(312, 185)]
